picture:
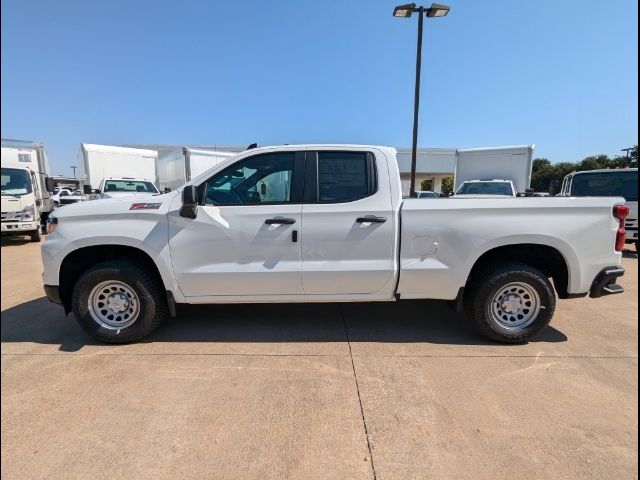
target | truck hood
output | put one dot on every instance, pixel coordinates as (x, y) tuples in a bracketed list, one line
[(121, 205)]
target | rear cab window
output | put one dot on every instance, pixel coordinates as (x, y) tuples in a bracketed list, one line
[(339, 176)]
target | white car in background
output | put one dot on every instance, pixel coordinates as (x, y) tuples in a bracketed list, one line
[(60, 193), (122, 187), (74, 197), (426, 194), (491, 188)]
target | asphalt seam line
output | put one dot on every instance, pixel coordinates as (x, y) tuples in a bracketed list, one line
[(355, 378)]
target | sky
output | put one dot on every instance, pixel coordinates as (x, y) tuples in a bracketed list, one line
[(562, 75)]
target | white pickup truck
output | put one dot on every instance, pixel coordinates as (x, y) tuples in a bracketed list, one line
[(326, 223)]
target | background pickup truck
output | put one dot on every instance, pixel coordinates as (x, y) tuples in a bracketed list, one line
[(327, 223)]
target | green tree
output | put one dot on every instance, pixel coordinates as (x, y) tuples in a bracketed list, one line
[(426, 185), (447, 184)]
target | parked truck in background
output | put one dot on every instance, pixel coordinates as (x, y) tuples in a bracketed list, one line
[(327, 223), (176, 167), (112, 171), (26, 202), (500, 164), (621, 182)]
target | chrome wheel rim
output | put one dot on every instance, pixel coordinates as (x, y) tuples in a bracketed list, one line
[(515, 306), (114, 305)]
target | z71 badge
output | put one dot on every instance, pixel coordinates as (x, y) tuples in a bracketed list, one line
[(145, 206)]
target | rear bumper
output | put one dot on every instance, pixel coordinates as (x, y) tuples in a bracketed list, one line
[(53, 293), (605, 282)]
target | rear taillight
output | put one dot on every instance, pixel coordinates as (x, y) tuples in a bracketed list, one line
[(620, 212)]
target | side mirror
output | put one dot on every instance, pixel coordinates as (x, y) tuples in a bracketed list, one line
[(167, 189), (50, 184), (87, 190), (189, 202)]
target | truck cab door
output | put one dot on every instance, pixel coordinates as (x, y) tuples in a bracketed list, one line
[(349, 225), (244, 239)]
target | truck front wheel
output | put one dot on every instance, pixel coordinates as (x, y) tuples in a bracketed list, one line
[(119, 302), (510, 302), (36, 235)]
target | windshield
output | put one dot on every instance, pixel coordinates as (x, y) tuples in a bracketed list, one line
[(485, 188), (604, 184), (131, 186), (15, 181)]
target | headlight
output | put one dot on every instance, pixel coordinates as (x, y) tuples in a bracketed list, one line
[(52, 224), (27, 213)]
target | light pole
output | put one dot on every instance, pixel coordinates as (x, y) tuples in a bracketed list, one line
[(405, 11), (74, 170), (628, 150)]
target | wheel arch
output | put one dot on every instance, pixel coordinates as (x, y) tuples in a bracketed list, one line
[(547, 258), (78, 261)]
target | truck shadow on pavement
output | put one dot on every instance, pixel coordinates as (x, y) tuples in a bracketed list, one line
[(41, 322)]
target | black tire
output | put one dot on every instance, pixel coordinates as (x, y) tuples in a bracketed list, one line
[(153, 307), (36, 235), (486, 284)]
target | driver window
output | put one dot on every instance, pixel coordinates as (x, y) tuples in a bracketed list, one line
[(256, 180)]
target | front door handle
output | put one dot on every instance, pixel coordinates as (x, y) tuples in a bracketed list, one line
[(279, 221), (371, 219)]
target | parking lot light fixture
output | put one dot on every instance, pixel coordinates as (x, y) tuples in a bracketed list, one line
[(436, 10), (405, 11)]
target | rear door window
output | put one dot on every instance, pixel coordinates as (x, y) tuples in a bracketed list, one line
[(345, 176)]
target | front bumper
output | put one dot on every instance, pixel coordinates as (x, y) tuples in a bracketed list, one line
[(605, 282), (53, 293), (17, 227)]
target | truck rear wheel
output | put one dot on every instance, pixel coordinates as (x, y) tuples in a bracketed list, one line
[(510, 302), (119, 302)]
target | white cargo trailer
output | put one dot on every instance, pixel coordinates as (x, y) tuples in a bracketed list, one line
[(26, 202), (178, 166), (103, 162), (503, 163)]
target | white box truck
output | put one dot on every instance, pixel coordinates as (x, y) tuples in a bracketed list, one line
[(499, 170), (26, 203), (180, 165), (114, 171)]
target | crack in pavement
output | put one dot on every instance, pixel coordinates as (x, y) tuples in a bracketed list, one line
[(355, 378)]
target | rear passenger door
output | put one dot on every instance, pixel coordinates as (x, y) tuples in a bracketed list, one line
[(348, 226)]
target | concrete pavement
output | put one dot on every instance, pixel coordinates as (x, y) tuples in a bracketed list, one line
[(386, 391)]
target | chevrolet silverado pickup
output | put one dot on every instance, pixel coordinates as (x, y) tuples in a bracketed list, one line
[(327, 223)]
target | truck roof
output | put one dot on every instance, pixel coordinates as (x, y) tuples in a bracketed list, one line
[(92, 147), (11, 143), (605, 170), (311, 146)]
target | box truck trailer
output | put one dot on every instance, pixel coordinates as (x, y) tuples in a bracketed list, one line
[(497, 166), (114, 171), (180, 165), (26, 202)]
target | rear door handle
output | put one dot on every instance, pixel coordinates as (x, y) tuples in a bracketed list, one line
[(371, 219), (279, 221)]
